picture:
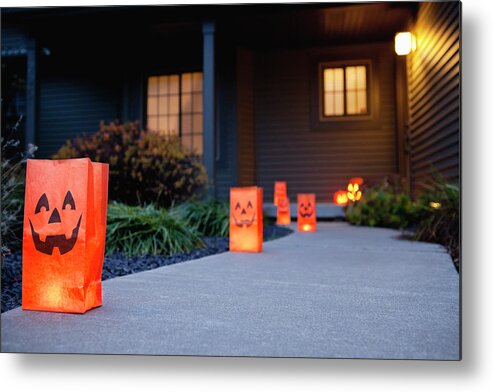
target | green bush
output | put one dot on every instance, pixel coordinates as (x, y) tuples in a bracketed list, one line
[(383, 206), (439, 215), (145, 167), (139, 231), (210, 218)]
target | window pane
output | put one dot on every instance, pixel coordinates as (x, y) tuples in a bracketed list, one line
[(197, 103), (173, 125), (163, 85), (197, 123), (362, 109), (338, 79), (328, 80), (197, 81), (351, 102), (329, 105), (350, 78), (163, 125), (186, 103), (151, 106), (152, 123), (339, 104), (361, 77), (173, 104), (152, 85), (163, 105), (186, 123), (198, 144), (173, 84), (186, 82), (186, 142)]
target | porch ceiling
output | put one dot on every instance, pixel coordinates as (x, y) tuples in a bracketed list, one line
[(334, 24)]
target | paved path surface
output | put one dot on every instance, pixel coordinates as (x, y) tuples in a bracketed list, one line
[(341, 292)]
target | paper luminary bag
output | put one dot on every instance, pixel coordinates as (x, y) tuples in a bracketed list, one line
[(64, 234), (246, 219), (280, 190), (307, 212), (283, 211)]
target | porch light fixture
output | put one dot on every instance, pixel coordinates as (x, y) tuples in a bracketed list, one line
[(405, 43)]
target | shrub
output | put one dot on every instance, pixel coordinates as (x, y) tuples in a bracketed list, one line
[(145, 167), (384, 206), (210, 218), (140, 231), (12, 192), (439, 215)]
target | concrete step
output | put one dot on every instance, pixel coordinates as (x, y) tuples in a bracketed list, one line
[(324, 210)]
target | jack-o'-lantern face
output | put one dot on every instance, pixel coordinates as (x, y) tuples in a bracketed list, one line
[(55, 225), (283, 205), (306, 208), (244, 211)]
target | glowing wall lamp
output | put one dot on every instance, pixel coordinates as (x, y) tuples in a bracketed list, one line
[(405, 43)]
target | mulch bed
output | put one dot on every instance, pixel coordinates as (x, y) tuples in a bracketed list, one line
[(119, 265)]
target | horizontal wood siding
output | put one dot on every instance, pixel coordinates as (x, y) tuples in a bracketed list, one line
[(319, 161), (246, 118), (434, 93), (13, 37), (72, 105)]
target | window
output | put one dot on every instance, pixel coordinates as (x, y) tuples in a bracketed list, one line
[(174, 108), (345, 91)]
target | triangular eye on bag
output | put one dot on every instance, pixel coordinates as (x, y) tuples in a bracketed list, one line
[(246, 219), (64, 234)]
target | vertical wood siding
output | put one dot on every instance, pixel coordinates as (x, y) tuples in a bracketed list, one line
[(434, 93), (319, 161), (246, 118)]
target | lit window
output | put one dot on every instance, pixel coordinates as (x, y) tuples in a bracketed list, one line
[(345, 91), (174, 108)]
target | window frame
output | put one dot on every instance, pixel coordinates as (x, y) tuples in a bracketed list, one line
[(180, 73), (322, 118)]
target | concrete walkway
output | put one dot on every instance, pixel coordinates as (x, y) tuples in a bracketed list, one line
[(343, 292)]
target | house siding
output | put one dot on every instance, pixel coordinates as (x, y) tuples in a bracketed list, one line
[(70, 106), (14, 38), (319, 161), (434, 93)]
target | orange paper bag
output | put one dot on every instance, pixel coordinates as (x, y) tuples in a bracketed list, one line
[(280, 190), (64, 234), (307, 212), (246, 219), (283, 211)]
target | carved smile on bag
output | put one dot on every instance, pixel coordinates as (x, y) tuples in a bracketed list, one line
[(244, 216), (61, 241), (306, 209)]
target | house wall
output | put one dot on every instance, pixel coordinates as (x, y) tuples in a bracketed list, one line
[(226, 111), (434, 93), (245, 118), (290, 147)]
